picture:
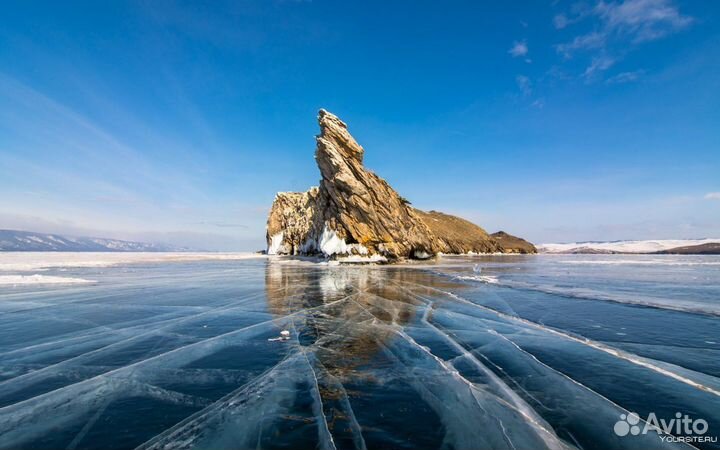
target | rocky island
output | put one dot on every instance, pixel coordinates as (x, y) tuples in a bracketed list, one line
[(357, 216)]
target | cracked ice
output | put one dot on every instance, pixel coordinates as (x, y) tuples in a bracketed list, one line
[(404, 357)]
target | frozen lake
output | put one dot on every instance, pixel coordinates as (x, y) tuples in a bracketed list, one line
[(117, 351)]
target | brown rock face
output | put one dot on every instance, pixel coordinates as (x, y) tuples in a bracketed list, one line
[(457, 235), (293, 217), (356, 213), (513, 244), (361, 205)]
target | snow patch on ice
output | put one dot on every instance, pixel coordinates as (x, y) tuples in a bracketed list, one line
[(483, 278), (472, 253), (34, 261), (362, 259), (12, 280)]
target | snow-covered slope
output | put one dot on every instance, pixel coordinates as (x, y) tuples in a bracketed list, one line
[(26, 241), (649, 246)]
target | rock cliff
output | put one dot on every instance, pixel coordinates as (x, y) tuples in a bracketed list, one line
[(513, 244), (456, 235), (355, 214)]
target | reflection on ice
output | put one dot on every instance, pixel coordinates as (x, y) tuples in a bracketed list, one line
[(395, 357)]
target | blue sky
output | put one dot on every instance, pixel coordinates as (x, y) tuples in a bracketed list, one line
[(178, 121)]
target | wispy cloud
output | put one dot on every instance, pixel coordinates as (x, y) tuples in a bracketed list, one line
[(598, 65), (518, 49), (625, 77), (524, 84), (619, 26), (712, 196), (58, 161), (635, 21), (577, 12), (221, 224), (588, 41), (560, 21), (642, 20)]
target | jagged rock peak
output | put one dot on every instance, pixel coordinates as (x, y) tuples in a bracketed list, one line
[(355, 213), (334, 134), (359, 205)]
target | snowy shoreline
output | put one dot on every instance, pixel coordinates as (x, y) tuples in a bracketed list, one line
[(19, 280), (27, 261), (623, 247)]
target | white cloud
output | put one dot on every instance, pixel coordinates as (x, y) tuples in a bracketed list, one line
[(635, 21), (625, 77), (642, 20), (588, 41), (524, 84), (518, 49), (598, 65), (618, 27), (712, 196), (560, 21), (578, 11)]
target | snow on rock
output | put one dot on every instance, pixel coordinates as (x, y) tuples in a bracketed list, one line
[(331, 244), (275, 242)]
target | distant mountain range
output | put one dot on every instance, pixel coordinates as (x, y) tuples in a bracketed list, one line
[(666, 246), (27, 241)]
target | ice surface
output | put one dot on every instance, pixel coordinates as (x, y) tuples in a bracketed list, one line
[(685, 283), (178, 356)]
